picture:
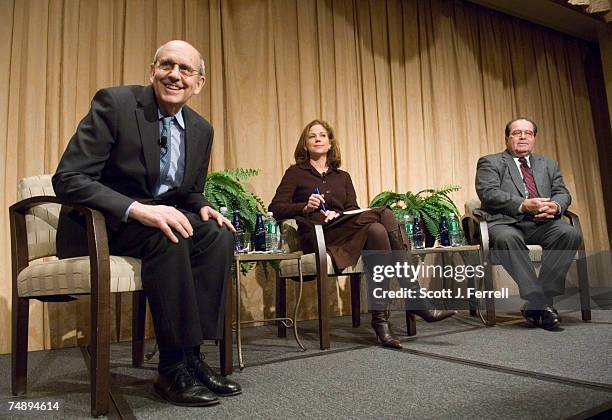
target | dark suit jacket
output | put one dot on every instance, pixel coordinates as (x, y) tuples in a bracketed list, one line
[(113, 159), (501, 189)]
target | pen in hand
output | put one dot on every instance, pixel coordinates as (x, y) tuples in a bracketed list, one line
[(317, 191)]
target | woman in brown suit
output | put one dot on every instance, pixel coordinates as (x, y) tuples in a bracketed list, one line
[(317, 159)]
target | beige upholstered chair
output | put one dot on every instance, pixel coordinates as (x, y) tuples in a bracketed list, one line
[(318, 265), (33, 227), (477, 233)]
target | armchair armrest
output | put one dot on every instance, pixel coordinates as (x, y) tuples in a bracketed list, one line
[(97, 241), (477, 232), (574, 220), (318, 239)]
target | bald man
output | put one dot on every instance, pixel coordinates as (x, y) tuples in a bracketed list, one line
[(141, 156)]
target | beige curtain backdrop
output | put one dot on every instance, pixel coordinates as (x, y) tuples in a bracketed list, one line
[(416, 90)]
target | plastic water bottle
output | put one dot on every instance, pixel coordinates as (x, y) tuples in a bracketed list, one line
[(408, 227), (239, 239), (260, 233), (444, 234), (454, 231), (272, 233)]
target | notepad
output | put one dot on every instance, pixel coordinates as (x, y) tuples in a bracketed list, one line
[(355, 211)]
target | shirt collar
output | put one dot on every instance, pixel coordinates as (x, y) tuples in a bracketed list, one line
[(178, 116), (528, 158), (309, 167)]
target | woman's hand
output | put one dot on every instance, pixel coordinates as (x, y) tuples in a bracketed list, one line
[(329, 215), (314, 203)]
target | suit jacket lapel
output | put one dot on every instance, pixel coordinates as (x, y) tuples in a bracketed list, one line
[(148, 126), (514, 172), (192, 136), (538, 167)]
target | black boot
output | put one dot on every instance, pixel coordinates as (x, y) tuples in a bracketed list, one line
[(382, 328), (423, 307)]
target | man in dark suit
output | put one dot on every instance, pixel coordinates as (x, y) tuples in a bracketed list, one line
[(141, 157), (523, 196)]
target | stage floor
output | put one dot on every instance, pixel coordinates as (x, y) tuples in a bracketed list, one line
[(456, 368)]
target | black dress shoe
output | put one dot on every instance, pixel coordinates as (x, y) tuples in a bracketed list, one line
[(533, 316), (550, 318), (180, 387), (218, 384)]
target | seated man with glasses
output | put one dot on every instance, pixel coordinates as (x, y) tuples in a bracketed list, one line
[(523, 196), (140, 156)]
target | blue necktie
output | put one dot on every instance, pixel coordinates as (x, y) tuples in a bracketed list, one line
[(166, 149)]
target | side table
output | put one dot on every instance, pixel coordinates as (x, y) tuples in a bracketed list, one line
[(463, 250), (288, 322)]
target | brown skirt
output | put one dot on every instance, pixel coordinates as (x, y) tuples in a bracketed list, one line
[(345, 237)]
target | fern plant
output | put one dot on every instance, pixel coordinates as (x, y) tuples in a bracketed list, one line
[(227, 189), (429, 204)]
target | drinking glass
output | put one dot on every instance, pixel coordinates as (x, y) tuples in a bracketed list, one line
[(242, 241), (418, 240)]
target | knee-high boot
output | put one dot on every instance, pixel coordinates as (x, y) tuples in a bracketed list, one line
[(382, 328), (422, 306)]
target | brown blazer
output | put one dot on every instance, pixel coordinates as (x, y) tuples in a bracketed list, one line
[(345, 236), (299, 183)]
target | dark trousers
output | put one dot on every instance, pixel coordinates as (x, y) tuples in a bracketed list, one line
[(185, 283), (559, 242)]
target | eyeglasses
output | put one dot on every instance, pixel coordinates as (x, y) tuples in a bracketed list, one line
[(184, 69), (526, 133)]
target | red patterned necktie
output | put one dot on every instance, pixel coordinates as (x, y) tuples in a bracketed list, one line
[(528, 178)]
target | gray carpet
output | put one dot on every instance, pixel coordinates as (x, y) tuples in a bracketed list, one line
[(453, 369)]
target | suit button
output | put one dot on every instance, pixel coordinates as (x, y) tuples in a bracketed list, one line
[(328, 192)]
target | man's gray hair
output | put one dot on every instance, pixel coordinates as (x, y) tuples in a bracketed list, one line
[(201, 69)]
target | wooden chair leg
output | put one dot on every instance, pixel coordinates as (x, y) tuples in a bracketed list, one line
[(489, 301), (19, 357), (118, 300), (281, 305), (139, 306), (355, 300), (583, 286), (472, 304), (410, 324), (323, 312), (225, 349), (100, 351)]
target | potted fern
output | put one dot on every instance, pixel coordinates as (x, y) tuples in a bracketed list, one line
[(429, 204), (227, 189)]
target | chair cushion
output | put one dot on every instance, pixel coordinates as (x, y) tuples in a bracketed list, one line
[(290, 237), (535, 253), (289, 268), (72, 276), (471, 205)]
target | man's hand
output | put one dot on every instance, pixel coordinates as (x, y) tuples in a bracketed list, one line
[(314, 203), (547, 213), (207, 213), (162, 217), (541, 208), (329, 215), (536, 205)]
